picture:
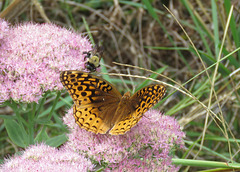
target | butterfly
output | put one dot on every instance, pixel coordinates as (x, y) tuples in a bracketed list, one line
[(93, 58), (100, 107)]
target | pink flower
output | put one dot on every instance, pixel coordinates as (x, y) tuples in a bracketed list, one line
[(32, 56), (45, 158), (149, 142)]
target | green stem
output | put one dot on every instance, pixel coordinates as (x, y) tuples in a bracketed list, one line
[(53, 108), (41, 103), (31, 123), (203, 163)]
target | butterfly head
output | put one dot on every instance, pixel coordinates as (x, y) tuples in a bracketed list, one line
[(125, 98)]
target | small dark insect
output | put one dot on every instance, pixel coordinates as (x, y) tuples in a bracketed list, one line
[(93, 58)]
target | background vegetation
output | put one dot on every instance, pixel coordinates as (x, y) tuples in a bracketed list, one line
[(198, 58)]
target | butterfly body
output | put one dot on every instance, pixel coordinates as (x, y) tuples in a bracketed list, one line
[(100, 107)]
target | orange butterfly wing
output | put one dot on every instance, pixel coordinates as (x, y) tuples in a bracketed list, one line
[(137, 105), (98, 105)]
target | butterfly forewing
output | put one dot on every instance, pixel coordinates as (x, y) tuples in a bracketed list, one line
[(147, 97), (87, 89), (95, 100), (139, 103)]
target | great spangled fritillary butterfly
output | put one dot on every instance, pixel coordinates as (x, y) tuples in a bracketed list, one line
[(93, 58), (99, 106)]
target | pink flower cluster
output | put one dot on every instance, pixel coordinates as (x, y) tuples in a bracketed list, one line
[(32, 56), (151, 140), (146, 147), (45, 158)]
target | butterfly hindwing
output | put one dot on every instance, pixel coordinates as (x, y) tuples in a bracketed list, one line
[(87, 118), (124, 125)]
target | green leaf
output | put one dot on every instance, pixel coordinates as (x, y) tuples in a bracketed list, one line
[(57, 141), (16, 133), (8, 117), (42, 136), (44, 121)]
